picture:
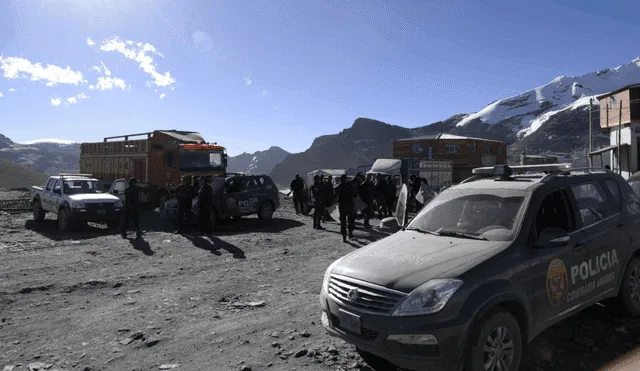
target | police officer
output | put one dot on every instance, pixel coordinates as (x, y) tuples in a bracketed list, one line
[(346, 194), (390, 196), (318, 191), (184, 194), (205, 203), (329, 196), (131, 208), (380, 192), (365, 191), (297, 187)]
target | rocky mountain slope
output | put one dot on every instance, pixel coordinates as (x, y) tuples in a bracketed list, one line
[(19, 175), (550, 118), (260, 162), (45, 156)]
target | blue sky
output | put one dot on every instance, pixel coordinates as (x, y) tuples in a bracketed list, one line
[(251, 74)]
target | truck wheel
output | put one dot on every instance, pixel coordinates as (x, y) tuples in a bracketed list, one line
[(496, 344), (265, 212), (63, 220), (38, 213), (629, 297), (375, 362)]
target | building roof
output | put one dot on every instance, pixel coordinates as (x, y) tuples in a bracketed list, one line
[(617, 91), (446, 136)]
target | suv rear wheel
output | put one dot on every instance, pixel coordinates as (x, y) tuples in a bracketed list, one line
[(629, 296), (496, 344), (265, 212)]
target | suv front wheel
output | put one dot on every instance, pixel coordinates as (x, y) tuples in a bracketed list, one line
[(496, 344), (265, 212)]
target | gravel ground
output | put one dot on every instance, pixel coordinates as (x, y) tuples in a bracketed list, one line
[(246, 298)]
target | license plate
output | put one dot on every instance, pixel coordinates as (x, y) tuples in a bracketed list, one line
[(349, 321), (102, 212)]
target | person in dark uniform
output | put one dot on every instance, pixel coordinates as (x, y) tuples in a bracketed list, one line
[(319, 193), (346, 194), (297, 187), (365, 191), (131, 208), (205, 203), (184, 194), (329, 196), (380, 192), (390, 196)]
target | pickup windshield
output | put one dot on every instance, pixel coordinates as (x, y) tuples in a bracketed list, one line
[(473, 214), (200, 160), (74, 187)]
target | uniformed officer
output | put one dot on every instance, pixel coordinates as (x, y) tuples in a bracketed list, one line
[(184, 194), (318, 191), (365, 191), (131, 208), (205, 203), (346, 202)]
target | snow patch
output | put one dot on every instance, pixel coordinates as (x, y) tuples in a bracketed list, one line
[(536, 123), (48, 140)]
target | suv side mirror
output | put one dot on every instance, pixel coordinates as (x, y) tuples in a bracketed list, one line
[(115, 192)]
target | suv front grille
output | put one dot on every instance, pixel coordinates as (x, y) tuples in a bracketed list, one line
[(99, 206), (370, 298)]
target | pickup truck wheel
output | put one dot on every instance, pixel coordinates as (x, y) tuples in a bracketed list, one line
[(630, 289), (265, 212), (63, 220), (38, 212), (496, 344)]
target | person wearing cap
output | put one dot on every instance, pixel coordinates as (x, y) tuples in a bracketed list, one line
[(346, 202), (131, 208), (319, 201), (184, 194)]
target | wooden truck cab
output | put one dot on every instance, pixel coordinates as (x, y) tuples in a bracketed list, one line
[(158, 161)]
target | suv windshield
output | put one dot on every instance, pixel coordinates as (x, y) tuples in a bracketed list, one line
[(490, 215), (74, 187)]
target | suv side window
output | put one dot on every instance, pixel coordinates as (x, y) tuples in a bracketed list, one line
[(49, 185), (612, 186), (57, 186), (591, 201), (554, 217)]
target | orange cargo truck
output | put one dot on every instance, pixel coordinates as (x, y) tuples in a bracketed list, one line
[(158, 160)]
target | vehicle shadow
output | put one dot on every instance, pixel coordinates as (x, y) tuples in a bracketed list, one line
[(49, 228), (588, 340), (253, 224), (140, 244), (213, 245)]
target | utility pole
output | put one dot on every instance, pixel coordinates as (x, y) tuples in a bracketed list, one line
[(590, 133), (609, 128), (620, 138)]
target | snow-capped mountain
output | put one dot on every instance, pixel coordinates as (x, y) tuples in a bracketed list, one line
[(50, 156), (529, 111), (260, 162)]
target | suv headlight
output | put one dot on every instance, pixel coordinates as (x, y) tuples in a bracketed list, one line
[(78, 205), (428, 298), (117, 204), (327, 276)]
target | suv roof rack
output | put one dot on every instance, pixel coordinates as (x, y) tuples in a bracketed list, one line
[(522, 169), (62, 175)]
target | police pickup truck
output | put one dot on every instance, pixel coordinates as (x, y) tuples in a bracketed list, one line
[(486, 266), (75, 199)]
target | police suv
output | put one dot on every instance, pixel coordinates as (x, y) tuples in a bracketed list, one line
[(486, 266)]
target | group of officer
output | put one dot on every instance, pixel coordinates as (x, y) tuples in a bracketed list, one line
[(185, 192), (378, 195)]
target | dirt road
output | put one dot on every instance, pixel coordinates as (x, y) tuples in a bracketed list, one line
[(247, 297)]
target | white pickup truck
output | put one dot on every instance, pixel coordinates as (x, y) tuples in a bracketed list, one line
[(75, 199)]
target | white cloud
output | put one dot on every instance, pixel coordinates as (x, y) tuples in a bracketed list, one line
[(55, 101), (11, 90), (15, 67), (97, 69), (105, 69), (163, 95), (90, 42), (0, 94), (76, 98), (142, 54), (264, 92), (247, 81), (105, 83)]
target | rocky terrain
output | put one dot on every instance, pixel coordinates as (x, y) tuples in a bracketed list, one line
[(260, 162), (246, 299)]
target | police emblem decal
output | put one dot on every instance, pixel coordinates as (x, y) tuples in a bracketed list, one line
[(352, 295), (557, 282)]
